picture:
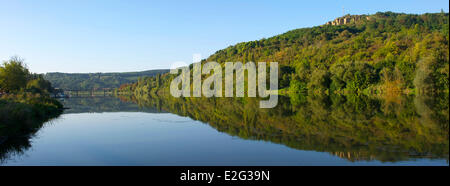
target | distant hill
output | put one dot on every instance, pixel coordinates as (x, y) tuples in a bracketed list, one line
[(87, 81)]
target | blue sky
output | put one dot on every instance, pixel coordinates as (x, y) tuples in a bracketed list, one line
[(132, 35)]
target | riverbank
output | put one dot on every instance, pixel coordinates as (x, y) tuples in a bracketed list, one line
[(23, 114)]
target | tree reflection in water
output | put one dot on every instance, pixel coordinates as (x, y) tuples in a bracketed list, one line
[(354, 127), (388, 129)]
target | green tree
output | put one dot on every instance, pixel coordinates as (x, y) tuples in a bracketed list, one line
[(39, 85), (13, 75)]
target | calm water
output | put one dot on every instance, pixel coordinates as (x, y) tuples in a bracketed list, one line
[(109, 131)]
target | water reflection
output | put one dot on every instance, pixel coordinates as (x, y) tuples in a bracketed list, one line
[(18, 142), (103, 104), (17, 145), (354, 127)]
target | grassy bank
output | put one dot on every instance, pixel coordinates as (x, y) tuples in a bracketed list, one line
[(23, 114)]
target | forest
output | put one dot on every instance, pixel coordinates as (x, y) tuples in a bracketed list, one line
[(89, 81), (387, 53)]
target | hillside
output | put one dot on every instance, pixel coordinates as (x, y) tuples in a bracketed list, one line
[(87, 81), (385, 52)]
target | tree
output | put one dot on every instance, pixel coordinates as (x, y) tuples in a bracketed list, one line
[(39, 85), (13, 75)]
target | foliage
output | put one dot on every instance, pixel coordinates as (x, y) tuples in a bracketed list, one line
[(15, 77), (386, 52), (39, 85), (24, 111), (88, 81)]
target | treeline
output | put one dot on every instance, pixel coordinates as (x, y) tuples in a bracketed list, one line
[(89, 81), (385, 53)]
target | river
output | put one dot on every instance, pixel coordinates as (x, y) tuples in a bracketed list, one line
[(113, 131)]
